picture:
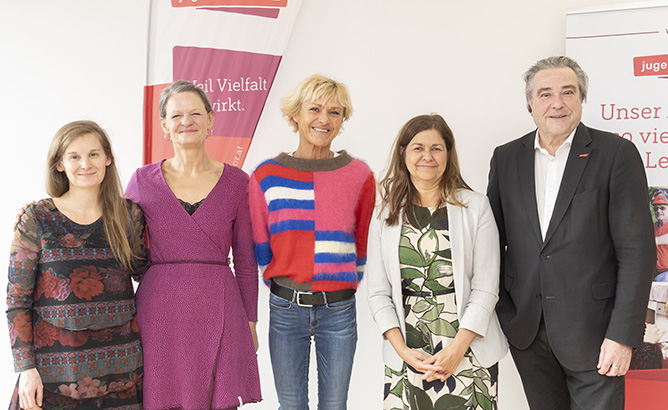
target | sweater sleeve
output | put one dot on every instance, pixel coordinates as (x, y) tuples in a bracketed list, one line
[(259, 215), (363, 214)]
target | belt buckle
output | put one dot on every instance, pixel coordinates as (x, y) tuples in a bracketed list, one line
[(299, 303)]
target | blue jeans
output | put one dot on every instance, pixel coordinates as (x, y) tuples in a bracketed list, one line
[(333, 326)]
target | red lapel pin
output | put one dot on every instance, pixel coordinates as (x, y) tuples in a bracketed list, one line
[(584, 155)]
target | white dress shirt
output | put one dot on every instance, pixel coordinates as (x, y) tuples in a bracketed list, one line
[(548, 172)]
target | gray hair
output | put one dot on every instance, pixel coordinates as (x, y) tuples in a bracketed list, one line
[(555, 62), (178, 87)]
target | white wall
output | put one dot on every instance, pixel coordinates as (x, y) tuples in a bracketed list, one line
[(67, 60)]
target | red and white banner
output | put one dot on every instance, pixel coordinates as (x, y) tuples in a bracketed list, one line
[(229, 48), (624, 50)]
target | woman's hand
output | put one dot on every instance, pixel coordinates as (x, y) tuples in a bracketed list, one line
[(19, 215), (412, 357), (448, 359), (253, 329), (417, 360), (446, 362), (30, 390)]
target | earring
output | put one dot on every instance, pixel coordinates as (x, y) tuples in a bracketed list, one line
[(168, 137)]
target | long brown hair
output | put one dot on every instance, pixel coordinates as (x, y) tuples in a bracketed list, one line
[(115, 214), (396, 188)]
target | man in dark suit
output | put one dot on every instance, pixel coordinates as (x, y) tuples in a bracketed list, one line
[(577, 247)]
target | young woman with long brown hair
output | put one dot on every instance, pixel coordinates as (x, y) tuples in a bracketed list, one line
[(70, 299)]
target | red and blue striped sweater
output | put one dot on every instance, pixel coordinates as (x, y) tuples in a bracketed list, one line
[(311, 218)]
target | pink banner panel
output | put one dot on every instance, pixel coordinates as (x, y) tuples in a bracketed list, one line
[(231, 49), (237, 83)]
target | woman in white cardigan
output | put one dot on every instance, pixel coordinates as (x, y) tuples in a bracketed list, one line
[(433, 277)]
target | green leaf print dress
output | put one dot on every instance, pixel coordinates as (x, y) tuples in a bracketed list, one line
[(431, 322)]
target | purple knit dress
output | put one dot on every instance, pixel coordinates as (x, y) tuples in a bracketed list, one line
[(193, 312)]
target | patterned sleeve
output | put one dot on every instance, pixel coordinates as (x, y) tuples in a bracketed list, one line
[(363, 214), (23, 265), (137, 240)]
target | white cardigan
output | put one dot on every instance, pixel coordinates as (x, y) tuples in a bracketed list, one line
[(474, 239)]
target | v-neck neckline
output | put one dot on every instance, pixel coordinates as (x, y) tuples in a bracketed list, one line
[(176, 199)]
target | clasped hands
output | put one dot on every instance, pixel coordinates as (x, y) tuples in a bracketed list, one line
[(439, 366)]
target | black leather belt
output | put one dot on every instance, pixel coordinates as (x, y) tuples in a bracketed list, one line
[(424, 294), (309, 299)]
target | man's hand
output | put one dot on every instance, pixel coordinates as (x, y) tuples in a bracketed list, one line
[(615, 358)]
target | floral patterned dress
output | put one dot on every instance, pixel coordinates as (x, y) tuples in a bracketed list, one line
[(432, 323), (71, 311)]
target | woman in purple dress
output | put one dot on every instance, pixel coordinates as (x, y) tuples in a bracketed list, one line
[(196, 317)]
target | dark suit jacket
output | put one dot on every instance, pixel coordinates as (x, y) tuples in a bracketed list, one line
[(590, 277)]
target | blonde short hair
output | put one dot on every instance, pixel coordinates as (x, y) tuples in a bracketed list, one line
[(315, 88)]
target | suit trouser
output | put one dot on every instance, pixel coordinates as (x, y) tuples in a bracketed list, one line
[(550, 386)]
